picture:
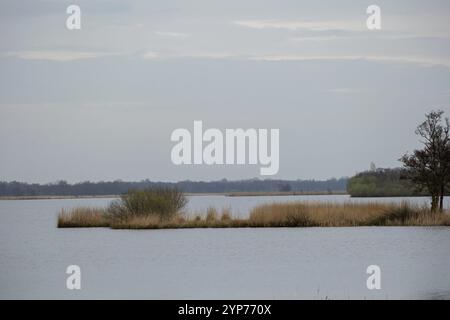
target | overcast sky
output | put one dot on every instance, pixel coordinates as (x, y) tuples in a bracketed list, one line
[(100, 103)]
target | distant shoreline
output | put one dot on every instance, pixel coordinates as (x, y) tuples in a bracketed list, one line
[(226, 194)]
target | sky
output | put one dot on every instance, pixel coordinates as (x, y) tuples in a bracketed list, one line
[(100, 103)]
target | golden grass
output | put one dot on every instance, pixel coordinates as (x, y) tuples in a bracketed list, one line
[(348, 214), (83, 217), (309, 214), (211, 219), (275, 215)]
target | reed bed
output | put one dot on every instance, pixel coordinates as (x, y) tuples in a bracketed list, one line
[(274, 215), (83, 217), (348, 214)]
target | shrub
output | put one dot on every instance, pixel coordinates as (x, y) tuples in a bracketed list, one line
[(161, 202)]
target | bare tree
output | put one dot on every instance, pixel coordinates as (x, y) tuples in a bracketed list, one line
[(429, 168)]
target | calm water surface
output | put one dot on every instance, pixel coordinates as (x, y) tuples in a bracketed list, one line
[(283, 263)]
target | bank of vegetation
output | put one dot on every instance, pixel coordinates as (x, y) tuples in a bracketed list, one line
[(163, 209)]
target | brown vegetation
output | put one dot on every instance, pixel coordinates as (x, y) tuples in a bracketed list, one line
[(293, 214)]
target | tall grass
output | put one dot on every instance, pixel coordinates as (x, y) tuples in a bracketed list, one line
[(212, 218), (294, 214), (84, 217), (348, 214), (318, 214)]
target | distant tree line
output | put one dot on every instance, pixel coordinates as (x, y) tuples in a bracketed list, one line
[(62, 188), (382, 183)]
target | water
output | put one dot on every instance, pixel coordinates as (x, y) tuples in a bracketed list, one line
[(286, 263)]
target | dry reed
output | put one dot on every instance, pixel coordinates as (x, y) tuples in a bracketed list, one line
[(275, 215)]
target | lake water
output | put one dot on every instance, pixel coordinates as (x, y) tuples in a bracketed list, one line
[(288, 263)]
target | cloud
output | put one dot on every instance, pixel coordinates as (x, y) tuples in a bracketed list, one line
[(172, 34), (195, 55), (328, 35), (422, 61), (63, 56), (214, 55), (66, 55), (335, 30), (150, 55), (57, 55), (298, 25), (394, 59)]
